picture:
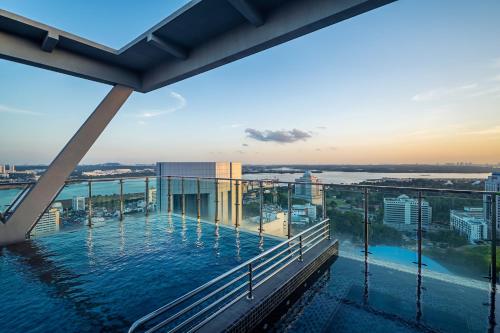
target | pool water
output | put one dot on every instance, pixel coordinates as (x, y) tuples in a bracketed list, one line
[(354, 296), (105, 277)]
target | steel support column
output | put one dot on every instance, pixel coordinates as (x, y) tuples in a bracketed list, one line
[(289, 220), (261, 206), (49, 184)]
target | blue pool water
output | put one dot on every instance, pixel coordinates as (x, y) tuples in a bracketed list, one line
[(104, 278)]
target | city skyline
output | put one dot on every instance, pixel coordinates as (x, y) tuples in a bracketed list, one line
[(424, 93)]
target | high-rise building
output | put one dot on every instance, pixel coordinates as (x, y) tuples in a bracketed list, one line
[(470, 223), (308, 189), (12, 168), (492, 183), (402, 212), (2, 168), (217, 200), (48, 223), (78, 203)]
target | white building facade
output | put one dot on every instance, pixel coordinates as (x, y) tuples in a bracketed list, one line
[(402, 213), (48, 223), (470, 223)]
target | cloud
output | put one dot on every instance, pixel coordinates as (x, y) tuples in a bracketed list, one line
[(443, 92), (8, 109), (321, 127), (245, 145), (180, 104), (282, 136)]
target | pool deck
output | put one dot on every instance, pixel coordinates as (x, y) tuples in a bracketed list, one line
[(247, 315)]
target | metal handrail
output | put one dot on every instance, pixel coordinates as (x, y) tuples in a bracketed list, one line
[(285, 261), (274, 181)]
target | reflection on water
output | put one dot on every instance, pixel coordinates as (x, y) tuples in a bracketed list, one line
[(101, 279), (238, 247), (216, 240), (183, 229), (199, 242)]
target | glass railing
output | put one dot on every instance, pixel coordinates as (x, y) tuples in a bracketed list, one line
[(432, 231), (10, 195)]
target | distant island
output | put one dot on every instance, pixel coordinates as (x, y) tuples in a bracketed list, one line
[(380, 168)]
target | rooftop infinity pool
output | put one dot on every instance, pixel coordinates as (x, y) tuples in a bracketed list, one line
[(105, 277)]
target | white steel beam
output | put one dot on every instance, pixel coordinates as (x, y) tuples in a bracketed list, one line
[(50, 183)]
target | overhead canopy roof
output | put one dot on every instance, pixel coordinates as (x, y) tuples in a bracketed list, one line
[(200, 36)]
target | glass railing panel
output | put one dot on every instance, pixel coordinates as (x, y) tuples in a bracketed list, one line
[(457, 239), (74, 198), (344, 208), (105, 201), (275, 209), (9, 194), (152, 191), (392, 228), (225, 202), (190, 198), (208, 200), (251, 205), (134, 196), (306, 206), (456, 249), (68, 211)]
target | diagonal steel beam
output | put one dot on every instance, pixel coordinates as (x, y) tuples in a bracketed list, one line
[(51, 182)]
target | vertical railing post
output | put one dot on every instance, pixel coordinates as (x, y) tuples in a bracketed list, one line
[(183, 198), (237, 205), (289, 222), (493, 240), (90, 203), (147, 196), (300, 249), (365, 204), (250, 281), (323, 200), (216, 215), (261, 206), (419, 232), (198, 199), (121, 199), (169, 194)]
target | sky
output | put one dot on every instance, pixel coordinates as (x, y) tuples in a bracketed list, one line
[(416, 81)]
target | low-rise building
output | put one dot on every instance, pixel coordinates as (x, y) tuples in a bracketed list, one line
[(303, 213), (469, 222)]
